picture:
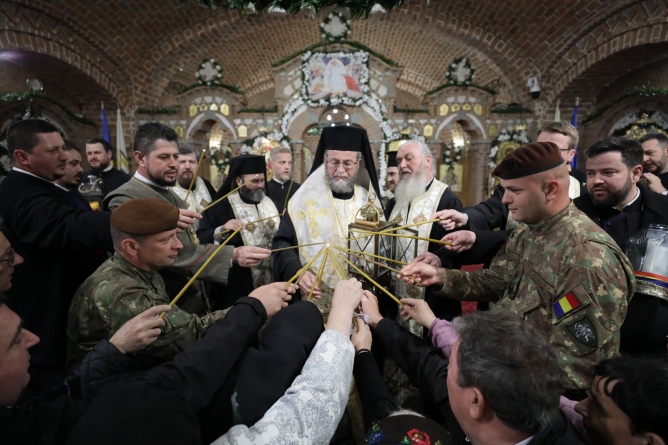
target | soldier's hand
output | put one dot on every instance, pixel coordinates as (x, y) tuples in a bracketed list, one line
[(232, 225), (460, 241), (451, 219), (427, 258), (361, 338), (186, 218), (421, 274), (347, 294), (274, 296), (369, 307), (654, 183), (140, 331), (249, 256), (418, 310)]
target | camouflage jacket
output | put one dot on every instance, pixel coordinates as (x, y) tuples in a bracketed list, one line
[(114, 294), (568, 279)]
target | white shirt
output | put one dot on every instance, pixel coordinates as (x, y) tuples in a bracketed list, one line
[(526, 441), (108, 168), (148, 181), (31, 174), (634, 199)]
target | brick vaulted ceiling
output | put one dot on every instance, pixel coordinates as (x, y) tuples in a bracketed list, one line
[(141, 47)]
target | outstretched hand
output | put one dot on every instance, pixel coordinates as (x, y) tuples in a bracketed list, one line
[(460, 241), (140, 331), (422, 274), (417, 310)]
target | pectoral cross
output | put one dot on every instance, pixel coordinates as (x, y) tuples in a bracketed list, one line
[(311, 213)]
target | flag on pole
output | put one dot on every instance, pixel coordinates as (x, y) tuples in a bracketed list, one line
[(574, 122), (105, 125), (121, 152), (557, 113)]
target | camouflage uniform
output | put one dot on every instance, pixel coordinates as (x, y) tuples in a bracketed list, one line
[(117, 292), (566, 255)]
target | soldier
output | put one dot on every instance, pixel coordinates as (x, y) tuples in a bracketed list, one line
[(145, 241), (559, 271)]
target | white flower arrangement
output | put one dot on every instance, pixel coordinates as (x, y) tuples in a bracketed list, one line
[(504, 135), (204, 75), (275, 136), (460, 72), (335, 27), (452, 155)]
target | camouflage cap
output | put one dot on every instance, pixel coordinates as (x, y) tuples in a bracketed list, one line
[(528, 160), (145, 216)]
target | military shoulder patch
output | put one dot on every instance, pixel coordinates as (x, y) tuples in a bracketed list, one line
[(565, 305), (583, 331)]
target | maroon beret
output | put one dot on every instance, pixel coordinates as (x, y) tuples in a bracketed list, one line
[(145, 216), (529, 159)]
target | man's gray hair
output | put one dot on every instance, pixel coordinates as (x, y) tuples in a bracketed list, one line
[(278, 150), (186, 149), (359, 154), (513, 366), (425, 151)]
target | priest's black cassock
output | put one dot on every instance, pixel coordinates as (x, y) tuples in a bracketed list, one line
[(240, 281), (278, 191)]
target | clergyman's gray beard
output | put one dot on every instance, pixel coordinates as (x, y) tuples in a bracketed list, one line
[(409, 189), (341, 187), (256, 195)]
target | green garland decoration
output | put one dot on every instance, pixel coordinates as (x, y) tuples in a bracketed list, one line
[(517, 110), (450, 74), (327, 35), (622, 132), (273, 109), (230, 88), (410, 110), (639, 91), (351, 43), (448, 85), (20, 97), (154, 111), (358, 8)]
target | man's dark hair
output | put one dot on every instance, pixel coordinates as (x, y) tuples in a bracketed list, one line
[(22, 135), (662, 139), (630, 150), (186, 149), (147, 134), (641, 391), (70, 145), (107, 146), (513, 366)]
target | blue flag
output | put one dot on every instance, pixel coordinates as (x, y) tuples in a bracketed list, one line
[(574, 122), (105, 126)]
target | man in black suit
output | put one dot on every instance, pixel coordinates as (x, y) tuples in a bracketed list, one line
[(622, 207), (67, 186), (280, 163), (100, 154), (52, 236)]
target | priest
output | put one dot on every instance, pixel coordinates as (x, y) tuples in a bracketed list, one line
[(249, 208), (323, 207), (417, 196)]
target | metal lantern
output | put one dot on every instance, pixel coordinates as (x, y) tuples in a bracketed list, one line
[(648, 252), (92, 192)]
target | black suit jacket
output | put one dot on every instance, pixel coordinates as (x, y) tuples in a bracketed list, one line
[(55, 240)]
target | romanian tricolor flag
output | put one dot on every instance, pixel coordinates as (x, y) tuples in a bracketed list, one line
[(565, 304)]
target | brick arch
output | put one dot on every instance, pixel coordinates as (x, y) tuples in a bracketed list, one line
[(473, 125), (79, 58), (636, 25)]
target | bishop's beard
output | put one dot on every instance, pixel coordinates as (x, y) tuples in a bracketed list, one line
[(256, 195), (339, 186), (409, 189)]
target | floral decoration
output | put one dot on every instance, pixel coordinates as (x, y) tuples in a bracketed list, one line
[(251, 145), (335, 27), (460, 72), (452, 154), (209, 72), (506, 141), (220, 157)]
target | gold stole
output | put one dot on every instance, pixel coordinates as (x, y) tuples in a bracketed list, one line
[(421, 208), (257, 234)]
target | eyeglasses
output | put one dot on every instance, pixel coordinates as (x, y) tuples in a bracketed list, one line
[(9, 257), (335, 164)]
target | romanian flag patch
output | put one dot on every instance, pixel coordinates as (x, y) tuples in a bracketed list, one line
[(565, 305)]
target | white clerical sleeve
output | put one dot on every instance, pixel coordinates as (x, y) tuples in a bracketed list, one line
[(312, 407)]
